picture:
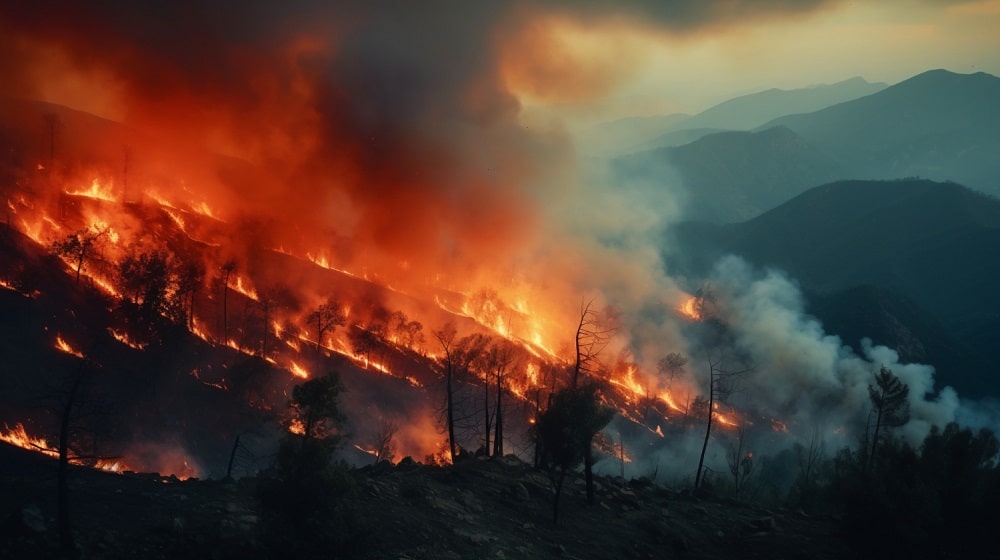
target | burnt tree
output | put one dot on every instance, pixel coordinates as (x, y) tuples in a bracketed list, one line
[(593, 333), (446, 337), (227, 270), (327, 317), (78, 247)]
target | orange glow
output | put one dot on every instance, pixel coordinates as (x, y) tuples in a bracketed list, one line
[(244, 287), (97, 191), (298, 371), (124, 339), (668, 398), (296, 427), (689, 309), (19, 437), (64, 346)]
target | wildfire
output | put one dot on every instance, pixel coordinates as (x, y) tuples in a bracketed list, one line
[(124, 339), (64, 346), (247, 290), (689, 309), (298, 371), (205, 210), (19, 437), (725, 419), (297, 427), (669, 399), (96, 191)]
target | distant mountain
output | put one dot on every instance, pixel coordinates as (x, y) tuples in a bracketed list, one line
[(620, 136), (740, 113), (732, 176), (750, 111), (938, 125), (933, 244)]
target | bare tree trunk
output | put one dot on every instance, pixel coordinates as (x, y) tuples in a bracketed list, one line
[(232, 457), (708, 425), (486, 414), (451, 413), (67, 546), (498, 436)]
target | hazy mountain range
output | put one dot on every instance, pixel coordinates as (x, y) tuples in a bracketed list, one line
[(938, 125), (740, 113)]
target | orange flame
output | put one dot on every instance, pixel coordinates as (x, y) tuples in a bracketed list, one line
[(19, 437), (64, 346), (689, 309), (124, 339), (298, 371), (96, 191)]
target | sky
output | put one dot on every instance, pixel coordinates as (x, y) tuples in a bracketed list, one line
[(659, 70)]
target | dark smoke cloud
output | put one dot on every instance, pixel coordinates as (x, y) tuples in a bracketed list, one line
[(398, 107)]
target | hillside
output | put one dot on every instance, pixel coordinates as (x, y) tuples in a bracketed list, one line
[(931, 243)]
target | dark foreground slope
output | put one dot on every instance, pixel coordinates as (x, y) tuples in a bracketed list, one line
[(476, 509)]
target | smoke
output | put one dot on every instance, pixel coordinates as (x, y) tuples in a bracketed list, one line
[(390, 136)]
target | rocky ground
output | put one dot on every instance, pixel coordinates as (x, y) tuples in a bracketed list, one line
[(497, 509)]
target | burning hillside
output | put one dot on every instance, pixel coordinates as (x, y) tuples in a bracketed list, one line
[(358, 189)]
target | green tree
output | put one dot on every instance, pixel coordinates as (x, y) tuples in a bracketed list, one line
[(566, 430)]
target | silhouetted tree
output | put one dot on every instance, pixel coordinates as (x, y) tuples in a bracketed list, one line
[(739, 460), (385, 445), (566, 430), (79, 246), (148, 283), (227, 270), (726, 366), (892, 408), (327, 317), (363, 342), (593, 333), (190, 277), (446, 337), (316, 404)]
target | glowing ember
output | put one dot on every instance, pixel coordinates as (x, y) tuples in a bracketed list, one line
[(298, 371), (297, 427), (64, 346)]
